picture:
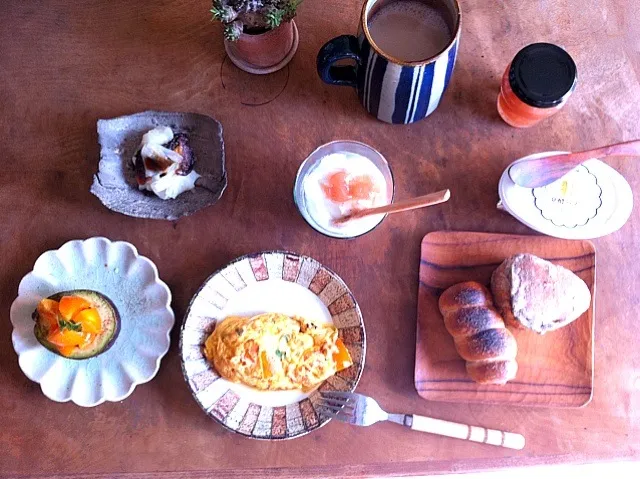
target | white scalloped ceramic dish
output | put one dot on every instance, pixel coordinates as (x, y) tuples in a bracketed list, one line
[(131, 281)]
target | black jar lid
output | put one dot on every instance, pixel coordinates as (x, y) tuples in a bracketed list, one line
[(542, 75)]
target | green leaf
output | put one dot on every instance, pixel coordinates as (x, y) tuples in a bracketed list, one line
[(72, 325), (217, 13), (233, 30), (290, 9), (280, 354), (274, 17), (75, 326)]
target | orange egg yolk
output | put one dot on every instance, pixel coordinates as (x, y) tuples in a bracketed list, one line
[(341, 187)]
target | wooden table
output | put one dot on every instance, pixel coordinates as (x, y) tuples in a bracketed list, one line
[(64, 64)]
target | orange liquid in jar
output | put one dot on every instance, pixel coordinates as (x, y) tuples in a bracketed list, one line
[(517, 113)]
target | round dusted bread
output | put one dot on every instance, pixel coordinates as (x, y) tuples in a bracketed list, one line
[(536, 294)]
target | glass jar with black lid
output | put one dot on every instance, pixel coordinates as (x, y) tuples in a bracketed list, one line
[(536, 84)]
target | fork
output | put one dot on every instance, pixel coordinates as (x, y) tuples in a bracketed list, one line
[(361, 410)]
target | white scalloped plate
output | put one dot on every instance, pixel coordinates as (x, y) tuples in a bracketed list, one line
[(131, 281)]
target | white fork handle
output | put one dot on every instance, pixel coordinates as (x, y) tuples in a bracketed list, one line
[(469, 433)]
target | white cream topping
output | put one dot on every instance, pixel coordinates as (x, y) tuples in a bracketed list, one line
[(324, 211), (170, 186), (165, 184)]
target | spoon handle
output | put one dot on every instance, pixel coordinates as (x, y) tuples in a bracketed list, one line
[(536, 172), (405, 205), (628, 148)]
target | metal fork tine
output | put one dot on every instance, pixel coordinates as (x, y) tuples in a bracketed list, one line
[(340, 416), (337, 394), (337, 408), (335, 402)]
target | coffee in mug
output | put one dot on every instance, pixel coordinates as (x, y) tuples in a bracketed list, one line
[(404, 56), (410, 30)]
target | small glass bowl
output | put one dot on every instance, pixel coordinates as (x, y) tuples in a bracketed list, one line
[(340, 147)]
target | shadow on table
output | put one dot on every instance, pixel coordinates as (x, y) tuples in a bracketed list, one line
[(473, 96)]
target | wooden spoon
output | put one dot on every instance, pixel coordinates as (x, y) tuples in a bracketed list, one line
[(538, 172), (405, 205)]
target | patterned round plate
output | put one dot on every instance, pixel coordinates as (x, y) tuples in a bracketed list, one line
[(274, 281), (143, 301)]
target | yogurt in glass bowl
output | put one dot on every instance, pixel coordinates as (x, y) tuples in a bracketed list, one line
[(340, 177)]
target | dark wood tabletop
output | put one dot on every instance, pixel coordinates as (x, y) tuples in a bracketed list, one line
[(64, 64)]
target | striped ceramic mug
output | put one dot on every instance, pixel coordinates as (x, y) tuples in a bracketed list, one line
[(394, 90)]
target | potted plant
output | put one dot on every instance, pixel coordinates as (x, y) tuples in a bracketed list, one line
[(260, 36)]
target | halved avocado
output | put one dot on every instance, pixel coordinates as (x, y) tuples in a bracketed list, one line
[(108, 315)]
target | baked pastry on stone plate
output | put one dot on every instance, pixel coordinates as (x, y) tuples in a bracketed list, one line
[(148, 164)]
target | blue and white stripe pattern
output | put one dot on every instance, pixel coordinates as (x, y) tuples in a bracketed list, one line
[(402, 94)]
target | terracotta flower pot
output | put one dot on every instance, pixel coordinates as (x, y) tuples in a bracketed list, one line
[(265, 52)]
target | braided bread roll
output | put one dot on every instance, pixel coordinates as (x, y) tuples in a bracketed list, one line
[(479, 333)]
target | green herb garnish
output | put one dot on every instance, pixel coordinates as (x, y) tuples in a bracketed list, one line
[(72, 325), (280, 354)]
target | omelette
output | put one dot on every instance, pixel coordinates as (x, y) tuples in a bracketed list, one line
[(276, 352)]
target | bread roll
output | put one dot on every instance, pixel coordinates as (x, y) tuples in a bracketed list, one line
[(535, 294), (479, 333)]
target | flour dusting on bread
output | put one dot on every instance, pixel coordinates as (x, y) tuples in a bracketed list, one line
[(536, 294), (479, 333)]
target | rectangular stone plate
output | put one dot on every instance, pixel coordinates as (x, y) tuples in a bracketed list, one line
[(115, 184)]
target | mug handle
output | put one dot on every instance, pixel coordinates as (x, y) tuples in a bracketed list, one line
[(339, 48)]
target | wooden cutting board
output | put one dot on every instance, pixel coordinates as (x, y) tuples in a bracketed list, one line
[(554, 369)]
